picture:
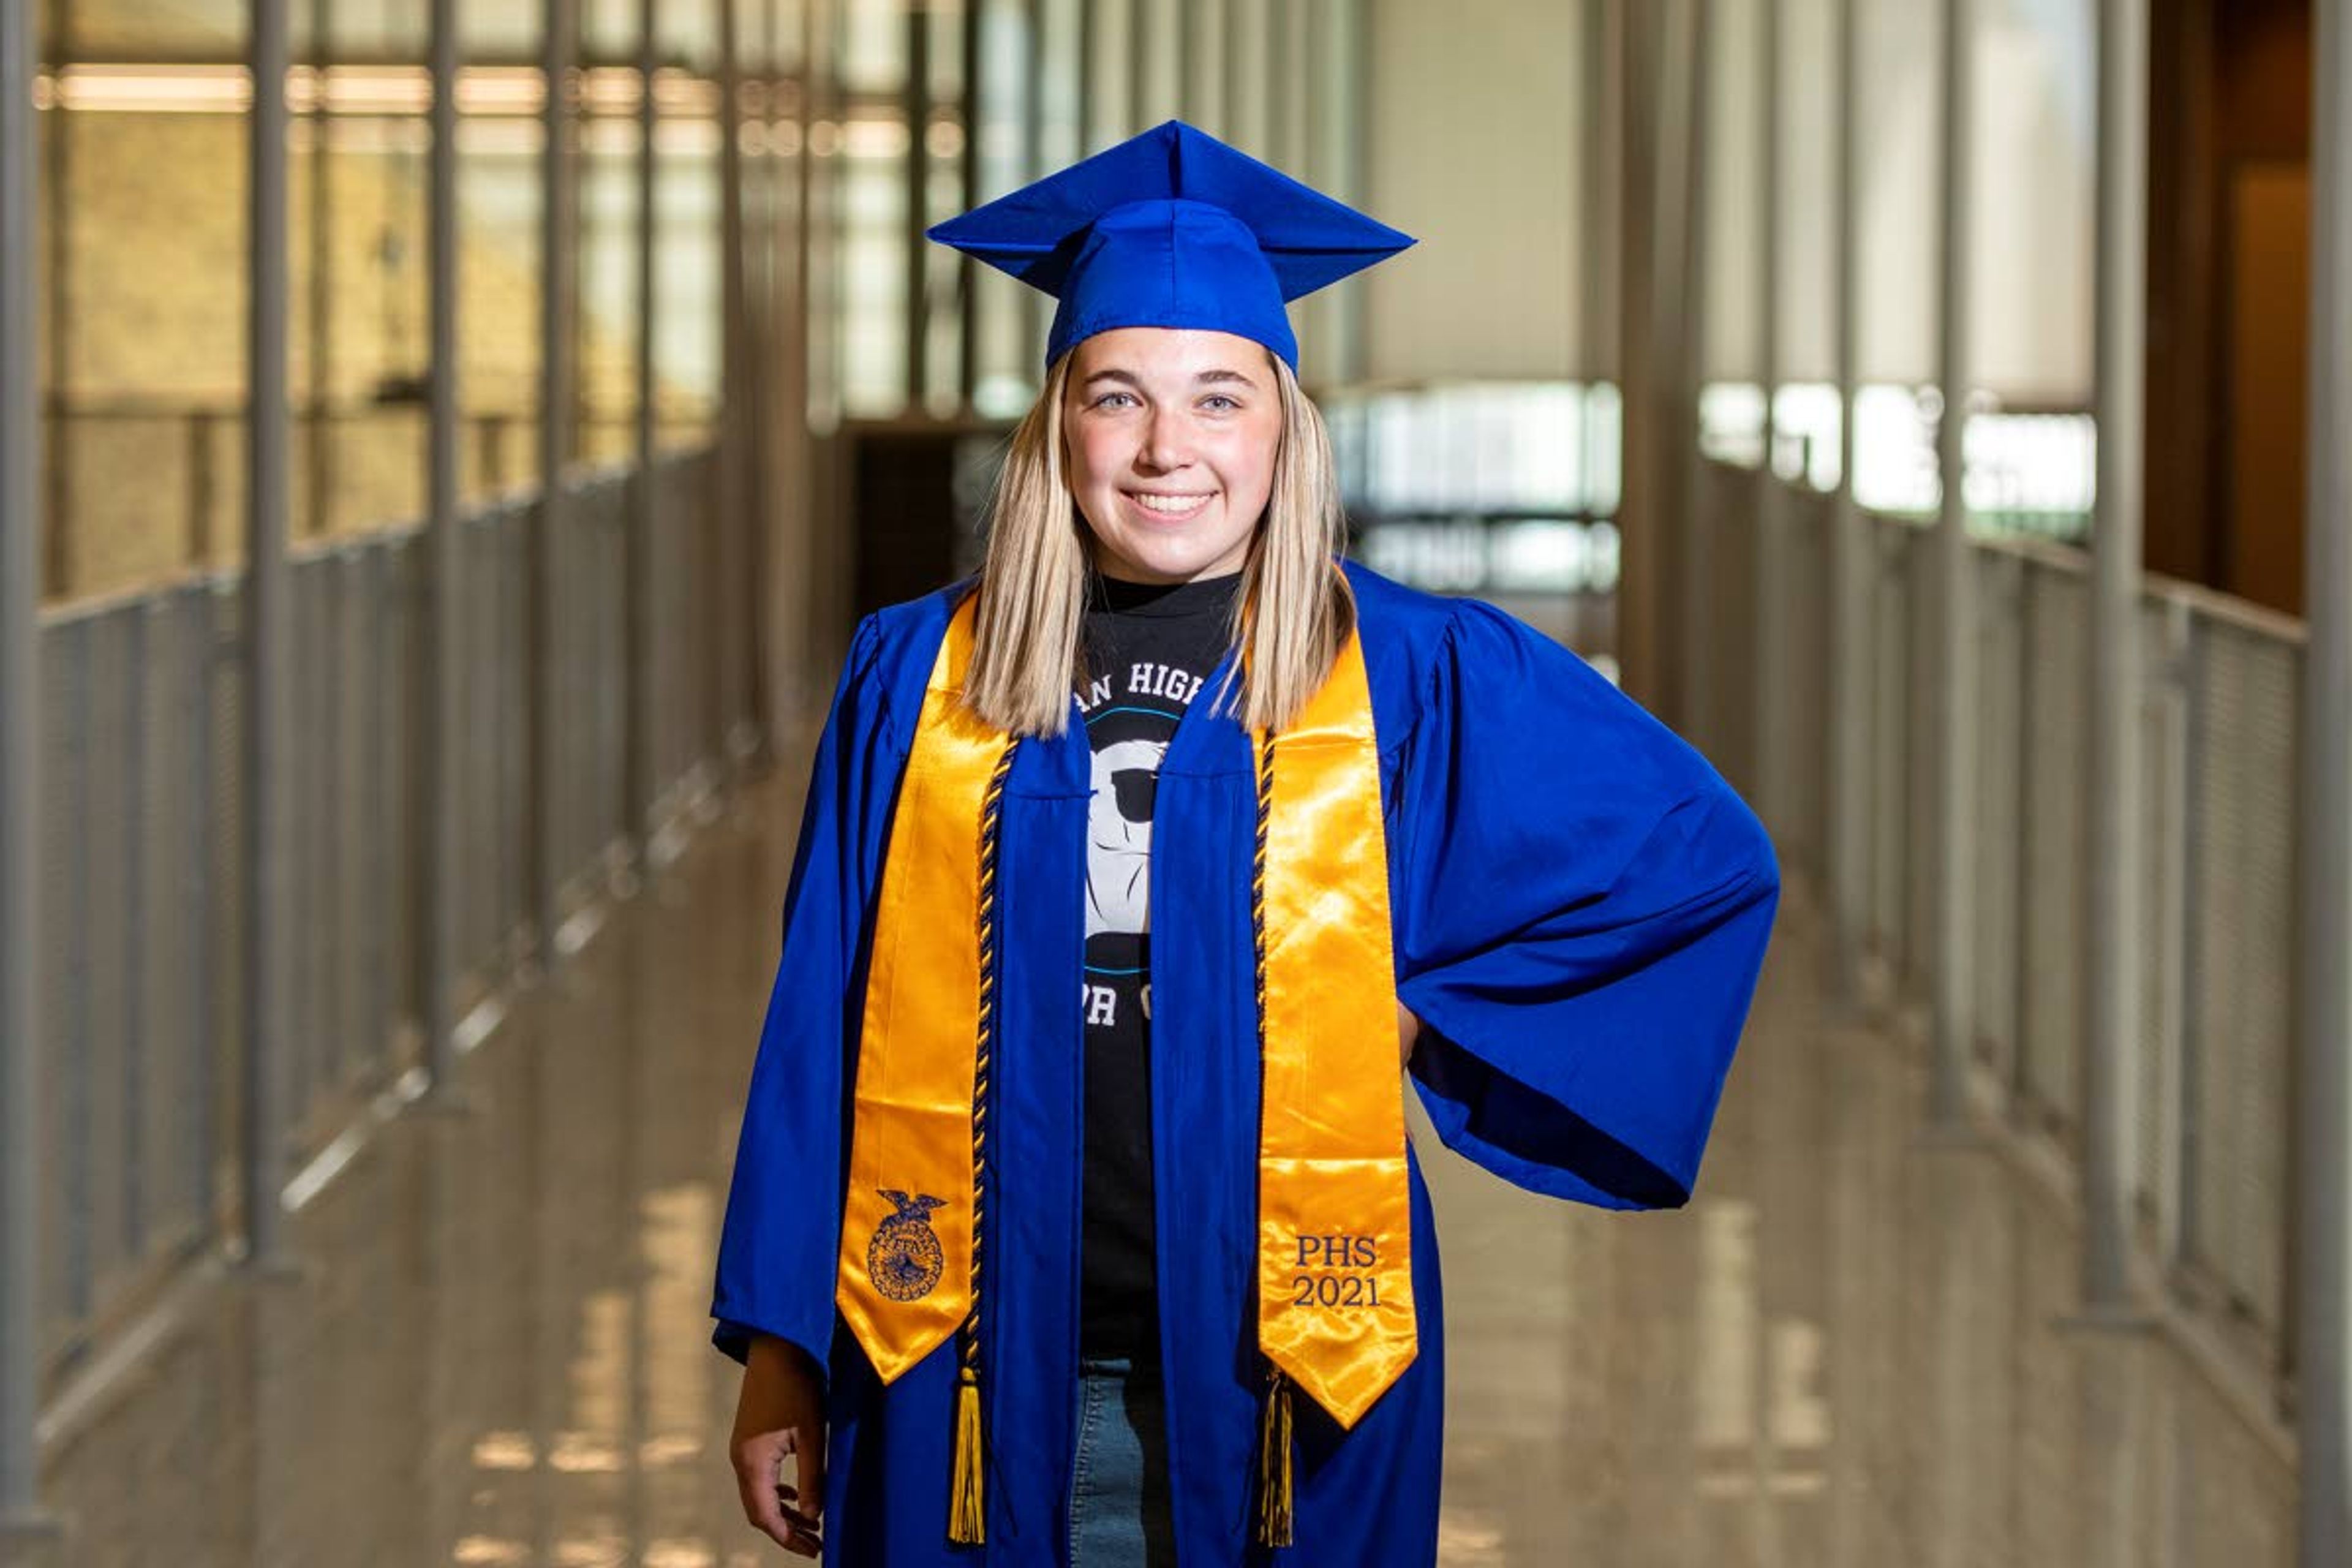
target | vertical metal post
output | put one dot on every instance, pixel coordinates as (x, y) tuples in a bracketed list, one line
[(1357, 24), (1212, 68), (60, 564), (1604, 127), (1032, 167), (437, 821), (824, 594), (738, 599), (1320, 160), (975, 126), (1846, 814), (1955, 644), (1139, 66), (1188, 65), (2322, 1361), (763, 452), (1694, 685), (1642, 55), (914, 105), (20, 728), (2113, 803), (314, 425), (1033, 318), (1305, 89), (1274, 106), (783, 466), (268, 626), (1656, 458), (1089, 105), (1252, 47), (1311, 68), (558, 269), (1239, 48), (1767, 717), (643, 493)]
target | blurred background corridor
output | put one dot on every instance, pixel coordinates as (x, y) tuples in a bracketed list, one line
[(433, 508)]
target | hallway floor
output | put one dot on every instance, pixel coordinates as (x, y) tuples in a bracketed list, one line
[(1847, 1352)]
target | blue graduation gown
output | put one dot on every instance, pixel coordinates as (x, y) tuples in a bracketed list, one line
[(1580, 905)]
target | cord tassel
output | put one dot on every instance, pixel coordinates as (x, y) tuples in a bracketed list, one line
[(966, 1515), (967, 1510), (1274, 1485)]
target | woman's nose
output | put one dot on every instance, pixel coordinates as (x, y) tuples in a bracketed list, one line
[(1164, 445)]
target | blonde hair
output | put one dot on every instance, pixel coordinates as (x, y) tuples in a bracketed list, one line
[(1291, 617)]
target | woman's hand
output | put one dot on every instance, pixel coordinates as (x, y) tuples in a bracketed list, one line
[(780, 1411), (1408, 1031)]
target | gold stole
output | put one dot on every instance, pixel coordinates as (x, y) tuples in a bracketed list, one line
[(1334, 1310)]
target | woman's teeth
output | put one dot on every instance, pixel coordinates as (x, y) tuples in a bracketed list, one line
[(1168, 503)]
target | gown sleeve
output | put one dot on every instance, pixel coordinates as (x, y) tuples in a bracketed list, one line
[(779, 1242), (1582, 910)]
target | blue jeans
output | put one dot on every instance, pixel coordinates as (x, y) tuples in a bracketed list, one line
[(1119, 1509)]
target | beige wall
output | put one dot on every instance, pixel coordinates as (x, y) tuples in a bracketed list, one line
[(1473, 119), (1474, 135)]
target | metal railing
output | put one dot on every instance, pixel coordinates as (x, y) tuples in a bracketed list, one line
[(143, 868), (2216, 744)]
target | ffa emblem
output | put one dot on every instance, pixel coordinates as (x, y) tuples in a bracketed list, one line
[(904, 1258)]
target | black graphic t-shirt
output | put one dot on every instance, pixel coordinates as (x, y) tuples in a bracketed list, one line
[(1151, 647)]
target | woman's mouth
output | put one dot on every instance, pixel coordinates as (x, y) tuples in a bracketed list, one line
[(1167, 506)]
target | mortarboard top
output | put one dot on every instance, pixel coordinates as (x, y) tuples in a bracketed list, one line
[(1171, 228)]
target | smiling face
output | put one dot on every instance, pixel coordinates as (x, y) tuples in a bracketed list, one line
[(1172, 434)]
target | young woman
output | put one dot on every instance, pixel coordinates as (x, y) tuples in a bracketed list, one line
[(1073, 1219)]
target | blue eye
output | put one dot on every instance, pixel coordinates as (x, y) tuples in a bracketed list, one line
[(1107, 396), (1220, 397)]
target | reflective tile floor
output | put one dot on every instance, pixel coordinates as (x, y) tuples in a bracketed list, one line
[(1847, 1352)]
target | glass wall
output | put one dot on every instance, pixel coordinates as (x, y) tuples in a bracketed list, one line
[(143, 364), (1158, 62), (500, 210), (942, 111), (1248, 80), (1205, 95), (2030, 444), (143, 117), (360, 290), (1005, 89), (1005, 374), (608, 144), (1108, 29), (689, 256), (2031, 464), (1804, 399), (926, 110), (875, 300), (1898, 115), (2032, 188)]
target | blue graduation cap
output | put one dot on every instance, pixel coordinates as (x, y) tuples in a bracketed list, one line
[(1171, 228)]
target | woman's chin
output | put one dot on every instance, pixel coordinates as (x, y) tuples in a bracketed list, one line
[(1166, 558)]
